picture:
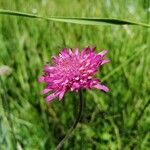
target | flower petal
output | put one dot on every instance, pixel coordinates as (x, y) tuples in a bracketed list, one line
[(48, 68), (102, 87), (70, 52), (77, 51), (61, 95), (55, 59), (102, 53), (51, 97), (46, 90), (41, 79), (105, 61)]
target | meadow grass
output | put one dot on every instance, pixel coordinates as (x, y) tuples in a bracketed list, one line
[(117, 120)]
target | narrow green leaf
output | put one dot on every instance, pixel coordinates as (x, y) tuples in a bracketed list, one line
[(77, 20)]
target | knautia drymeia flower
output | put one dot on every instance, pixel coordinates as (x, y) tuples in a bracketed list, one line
[(73, 70)]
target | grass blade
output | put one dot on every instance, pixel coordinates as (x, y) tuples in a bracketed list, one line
[(77, 20)]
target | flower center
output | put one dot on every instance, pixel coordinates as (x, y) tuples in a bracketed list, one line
[(69, 67)]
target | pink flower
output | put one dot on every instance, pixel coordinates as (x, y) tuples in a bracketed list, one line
[(73, 70)]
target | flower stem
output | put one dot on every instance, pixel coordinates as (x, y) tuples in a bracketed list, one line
[(75, 123)]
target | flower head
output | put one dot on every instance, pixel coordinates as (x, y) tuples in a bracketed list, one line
[(73, 70)]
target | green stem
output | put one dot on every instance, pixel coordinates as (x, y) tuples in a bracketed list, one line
[(75, 123)]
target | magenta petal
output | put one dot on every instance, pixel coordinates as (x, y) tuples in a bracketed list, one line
[(64, 51), (77, 51), (102, 53), (49, 69), (55, 59), (102, 87), (75, 85), (105, 61), (70, 52), (86, 51), (46, 91), (41, 79), (61, 95), (51, 97)]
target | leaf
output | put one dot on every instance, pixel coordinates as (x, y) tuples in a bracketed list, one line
[(77, 20)]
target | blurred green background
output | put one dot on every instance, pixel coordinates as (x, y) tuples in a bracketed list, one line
[(117, 120)]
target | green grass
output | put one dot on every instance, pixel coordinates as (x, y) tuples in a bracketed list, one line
[(117, 120)]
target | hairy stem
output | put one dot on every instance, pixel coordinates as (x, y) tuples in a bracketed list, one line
[(75, 123)]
